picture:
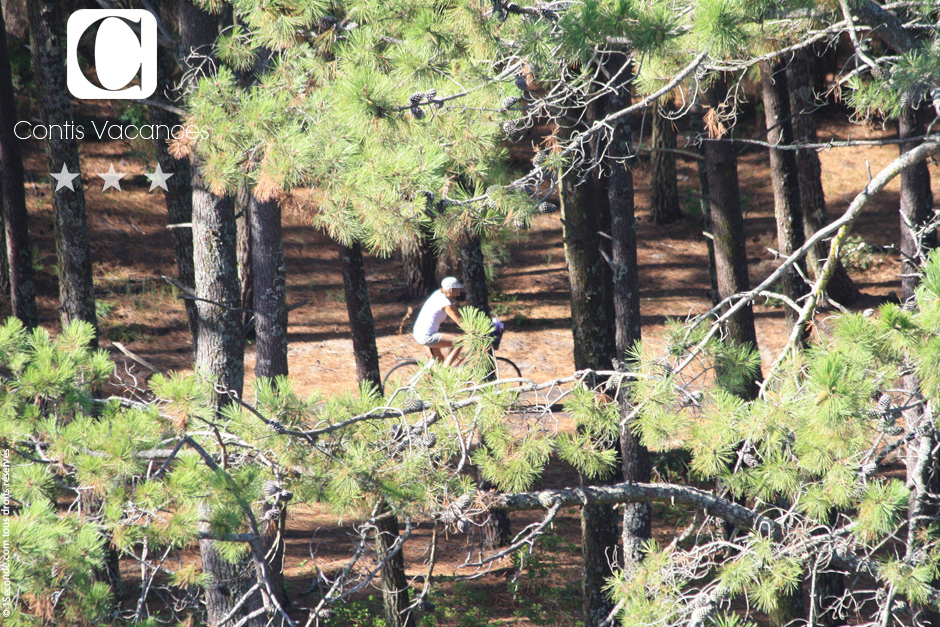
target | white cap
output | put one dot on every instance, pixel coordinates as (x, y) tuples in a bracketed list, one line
[(451, 283)]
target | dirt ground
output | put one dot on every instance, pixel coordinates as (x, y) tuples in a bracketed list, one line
[(132, 249)]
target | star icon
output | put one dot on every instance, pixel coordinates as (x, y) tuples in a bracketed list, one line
[(111, 178), (158, 179), (64, 179)]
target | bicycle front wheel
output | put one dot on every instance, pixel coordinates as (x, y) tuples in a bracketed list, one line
[(401, 374)]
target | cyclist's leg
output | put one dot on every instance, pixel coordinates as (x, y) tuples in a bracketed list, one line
[(447, 341)]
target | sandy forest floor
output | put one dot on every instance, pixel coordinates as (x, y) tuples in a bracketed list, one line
[(132, 249)]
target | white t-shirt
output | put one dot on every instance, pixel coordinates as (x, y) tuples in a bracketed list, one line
[(432, 314)]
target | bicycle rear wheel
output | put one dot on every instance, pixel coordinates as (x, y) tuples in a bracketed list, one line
[(505, 369)]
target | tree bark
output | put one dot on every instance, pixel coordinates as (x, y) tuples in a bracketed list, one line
[(359, 310), (783, 172), (664, 193), (635, 463), (728, 232), (76, 286), (220, 359), (594, 347), (916, 207), (698, 128), (419, 264), (474, 273), (179, 194), (246, 278), (220, 351), (18, 255), (809, 174), (395, 589), (270, 288), (228, 584), (591, 326)]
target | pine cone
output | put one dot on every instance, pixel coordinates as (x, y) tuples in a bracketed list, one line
[(521, 83), (539, 158), (546, 13), (894, 430), (271, 488), (873, 414), (547, 207), (749, 460), (463, 502), (326, 614), (426, 606), (417, 113), (431, 93), (919, 556), (520, 225), (515, 9), (869, 469), (327, 22), (416, 98), (463, 525), (884, 403), (881, 595), (509, 102), (910, 304), (413, 405), (429, 440), (509, 127)]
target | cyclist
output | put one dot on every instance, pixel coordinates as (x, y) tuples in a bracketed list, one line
[(437, 308)]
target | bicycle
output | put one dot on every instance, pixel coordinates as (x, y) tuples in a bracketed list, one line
[(405, 369)]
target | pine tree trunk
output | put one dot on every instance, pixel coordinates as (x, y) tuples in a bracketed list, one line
[(594, 347), (246, 279), (18, 255), (783, 172), (728, 232), (591, 326), (395, 589), (474, 273), (698, 128), (419, 264), (76, 287), (179, 194), (664, 193), (220, 351), (916, 207), (626, 291), (270, 289), (359, 311), (497, 529), (4, 262), (219, 358), (228, 584), (809, 173)]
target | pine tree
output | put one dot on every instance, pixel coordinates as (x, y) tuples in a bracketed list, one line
[(812, 197), (270, 288), (18, 255), (635, 464), (359, 310), (76, 288), (664, 194), (728, 228), (179, 192), (783, 171)]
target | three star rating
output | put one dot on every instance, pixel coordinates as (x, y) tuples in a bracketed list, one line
[(111, 178)]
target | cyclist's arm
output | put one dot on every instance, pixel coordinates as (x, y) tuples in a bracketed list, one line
[(452, 313)]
